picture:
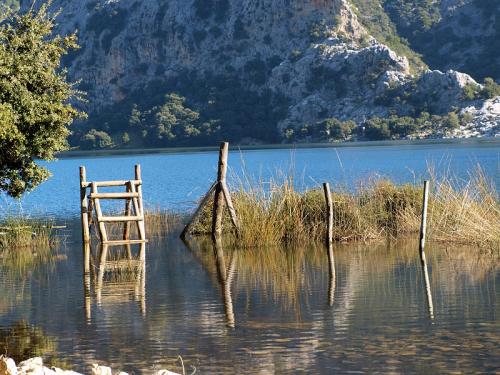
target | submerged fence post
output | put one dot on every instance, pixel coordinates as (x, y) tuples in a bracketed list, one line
[(218, 208), (329, 207), (222, 196), (84, 205), (423, 224)]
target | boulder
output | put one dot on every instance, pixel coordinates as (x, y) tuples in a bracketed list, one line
[(7, 366)]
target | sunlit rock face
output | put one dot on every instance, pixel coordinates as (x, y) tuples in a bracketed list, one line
[(314, 52)]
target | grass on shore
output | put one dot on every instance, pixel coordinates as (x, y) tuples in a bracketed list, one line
[(23, 232), (276, 214)]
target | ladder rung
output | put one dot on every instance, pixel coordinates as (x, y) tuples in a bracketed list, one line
[(124, 242), (115, 219), (87, 184), (113, 195)]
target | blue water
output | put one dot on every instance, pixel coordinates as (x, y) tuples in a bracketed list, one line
[(176, 180)]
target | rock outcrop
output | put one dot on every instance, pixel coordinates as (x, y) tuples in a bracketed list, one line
[(313, 52)]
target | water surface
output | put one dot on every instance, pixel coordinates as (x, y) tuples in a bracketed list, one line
[(177, 180), (273, 310)]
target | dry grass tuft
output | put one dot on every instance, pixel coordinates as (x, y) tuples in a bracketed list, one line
[(276, 213)]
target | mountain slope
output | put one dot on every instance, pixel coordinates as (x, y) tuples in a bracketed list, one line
[(163, 73)]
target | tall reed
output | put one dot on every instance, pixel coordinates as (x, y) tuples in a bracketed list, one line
[(274, 213)]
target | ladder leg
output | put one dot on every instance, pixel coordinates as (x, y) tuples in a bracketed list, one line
[(139, 212), (97, 204), (128, 209)]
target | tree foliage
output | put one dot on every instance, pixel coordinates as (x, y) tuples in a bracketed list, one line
[(34, 94)]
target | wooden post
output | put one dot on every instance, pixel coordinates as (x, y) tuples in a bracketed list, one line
[(232, 211), (423, 224), (86, 257), (139, 187), (84, 206), (140, 224), (329, 209), (218, 208)]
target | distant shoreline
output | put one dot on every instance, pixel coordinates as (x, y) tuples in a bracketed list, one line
[(178, 150)]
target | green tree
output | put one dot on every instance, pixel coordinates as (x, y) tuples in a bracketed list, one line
[(96, 139), (491, 88), (452, 121), (34, 94), (173, 119)]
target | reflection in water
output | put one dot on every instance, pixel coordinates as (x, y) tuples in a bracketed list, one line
[(21, 341), (427, 283), (277, 300), (225, 276), (120, 276), (331, 273)]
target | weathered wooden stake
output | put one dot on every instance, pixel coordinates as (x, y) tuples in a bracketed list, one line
[(84, 206), (222, 196), (232, 211), (218, 208), (329, 208), (423, 224)]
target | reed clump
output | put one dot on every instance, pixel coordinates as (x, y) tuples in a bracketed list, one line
[(157, 221), (23, 232), (465, 212)]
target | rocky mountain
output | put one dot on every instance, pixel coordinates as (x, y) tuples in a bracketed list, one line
[(172, 72)]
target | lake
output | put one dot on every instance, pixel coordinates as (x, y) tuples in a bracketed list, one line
[(177, 180), (258, 311), (355, 308)]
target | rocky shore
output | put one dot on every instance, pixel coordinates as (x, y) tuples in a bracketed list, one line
[(35, 366)]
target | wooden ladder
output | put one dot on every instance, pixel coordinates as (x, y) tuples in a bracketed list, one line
[(134, 211)]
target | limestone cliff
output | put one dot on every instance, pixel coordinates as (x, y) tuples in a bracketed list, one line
[(312, 53)]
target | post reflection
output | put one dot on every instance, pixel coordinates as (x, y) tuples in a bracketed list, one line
[(428, 292), (332, 275), (120, 276), (225, 277)]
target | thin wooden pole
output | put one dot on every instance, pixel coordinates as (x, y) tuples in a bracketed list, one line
[(139, 186), (232, 211), (86, 257), (84, 205), (423, 224), (141, 224), (218, 207), (202, 204), (329, 209)]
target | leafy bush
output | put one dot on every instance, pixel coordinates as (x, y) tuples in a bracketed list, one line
[(96, 139)]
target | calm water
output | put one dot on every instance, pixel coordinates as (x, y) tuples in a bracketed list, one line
[(176, 181), (277, 310), (368, 310)]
